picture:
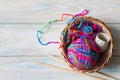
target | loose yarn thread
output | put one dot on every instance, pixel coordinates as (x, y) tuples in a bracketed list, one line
[(78, 40), (40, 32)]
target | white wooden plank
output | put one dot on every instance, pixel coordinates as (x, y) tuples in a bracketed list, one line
[(28, 75), (28, 63), (40, 11), (28, 68), (25, 69), (20, 40)]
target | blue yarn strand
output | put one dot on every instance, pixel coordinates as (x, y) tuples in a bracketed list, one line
[(40, 42)]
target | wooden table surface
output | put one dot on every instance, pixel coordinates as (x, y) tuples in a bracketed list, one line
[(19, 49)]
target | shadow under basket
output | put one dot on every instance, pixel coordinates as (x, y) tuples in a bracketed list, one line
[(103, 59)]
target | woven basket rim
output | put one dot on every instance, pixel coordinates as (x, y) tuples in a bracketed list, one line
[(107, 53)]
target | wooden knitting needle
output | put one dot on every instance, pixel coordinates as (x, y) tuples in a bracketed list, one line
[(67, 70), (97, 73), (103, 75)]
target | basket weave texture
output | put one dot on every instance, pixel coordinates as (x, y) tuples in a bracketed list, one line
[(106, 55)]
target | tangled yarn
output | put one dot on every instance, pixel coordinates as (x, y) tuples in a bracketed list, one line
[(78, 40), (40, 32), (82, 51)]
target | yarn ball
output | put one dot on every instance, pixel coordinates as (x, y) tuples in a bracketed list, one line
[(79, 43), (83, 53)]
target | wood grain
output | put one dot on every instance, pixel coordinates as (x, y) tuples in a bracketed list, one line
[(19, 20), (20, 40), (30, 11), (18, 65)]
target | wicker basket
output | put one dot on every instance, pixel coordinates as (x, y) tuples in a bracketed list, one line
[(106, 55)]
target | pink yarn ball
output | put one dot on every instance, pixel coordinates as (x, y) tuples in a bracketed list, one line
[(83, 53)]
